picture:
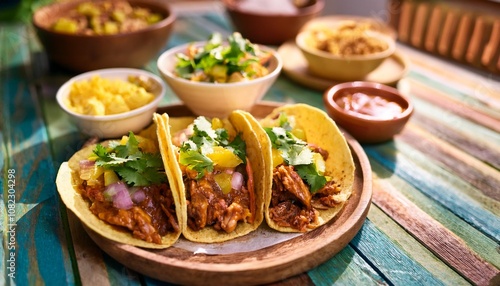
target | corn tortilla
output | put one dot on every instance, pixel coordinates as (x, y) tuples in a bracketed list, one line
[(236, 122), (67, 182), (322, 131)]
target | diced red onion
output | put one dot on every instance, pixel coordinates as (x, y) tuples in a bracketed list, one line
[(138, 196), (236, 181), (118, 193), (86, 163), (122, 200)]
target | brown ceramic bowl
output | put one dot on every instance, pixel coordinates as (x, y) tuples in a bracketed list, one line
[(90, 52), (366, 128), (263, 26)]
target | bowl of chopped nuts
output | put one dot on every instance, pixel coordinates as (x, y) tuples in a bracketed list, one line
[(84, 35), (344, 51)]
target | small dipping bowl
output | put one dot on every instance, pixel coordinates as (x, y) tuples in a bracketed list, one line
[(371, 112)]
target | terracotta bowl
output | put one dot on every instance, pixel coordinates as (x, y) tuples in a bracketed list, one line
[(217, 99), (89, 52), (115, 125), (368, 129), (343, 67), (270, 28)]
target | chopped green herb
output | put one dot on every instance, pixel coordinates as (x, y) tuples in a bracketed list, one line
[(134, 167), (295, 152), (217, 61), (193, 152)]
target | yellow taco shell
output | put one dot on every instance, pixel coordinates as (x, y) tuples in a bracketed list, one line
[(322, 131), (67, 181), (236, 122)]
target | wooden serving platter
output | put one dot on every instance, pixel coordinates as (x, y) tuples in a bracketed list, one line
[(266, 265)]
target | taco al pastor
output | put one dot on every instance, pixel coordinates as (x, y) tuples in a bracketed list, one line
[(122, 189), (312, 168), (221, 175)]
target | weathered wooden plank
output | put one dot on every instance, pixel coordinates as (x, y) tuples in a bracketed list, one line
[(415, 168), (477, 241), (485, 151), (462, 105), (392, 263), (433, 235), (346, 268), (483, 177), (413, 248), (474, 88), (39, 235)]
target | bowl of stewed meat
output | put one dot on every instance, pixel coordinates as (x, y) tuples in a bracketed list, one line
[(84, 35)]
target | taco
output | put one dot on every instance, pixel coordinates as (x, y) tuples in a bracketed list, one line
[(312, 168), (122, 190), (221, 175)]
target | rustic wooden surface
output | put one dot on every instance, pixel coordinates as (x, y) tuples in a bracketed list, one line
[(435, 216)]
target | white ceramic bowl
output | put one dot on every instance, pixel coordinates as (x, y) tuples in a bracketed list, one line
[(116, 125), (217, 99)]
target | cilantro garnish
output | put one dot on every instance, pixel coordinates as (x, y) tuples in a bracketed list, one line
[(133, 166), (193, 152), (295, 152), (311, 176), (236, 56)]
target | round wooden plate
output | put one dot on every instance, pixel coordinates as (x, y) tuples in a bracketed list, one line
[(261, 266)]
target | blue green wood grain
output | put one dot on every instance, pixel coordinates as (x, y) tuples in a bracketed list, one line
[(414, 248), (457, 123), (442, 191), (346, 268), (459, 95), (483, 245), (39, 234), (390, 261)]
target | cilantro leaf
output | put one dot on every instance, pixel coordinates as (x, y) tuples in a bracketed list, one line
[(196, 161), (194, 150), (309, 174), (239, 148), (132, 165), (293, 150)]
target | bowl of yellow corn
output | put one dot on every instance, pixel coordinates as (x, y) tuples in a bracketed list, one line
[(108, 103)]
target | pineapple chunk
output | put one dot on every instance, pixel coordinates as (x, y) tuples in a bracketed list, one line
[(224, 182), (147, 145), (219, 73), (111, 28), (223, 157), (65, 25), (92, 175), (217, 123), (277, 158), (299, 133), (110, 177)]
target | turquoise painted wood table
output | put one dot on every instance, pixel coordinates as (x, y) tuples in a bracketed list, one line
[(435, 212)]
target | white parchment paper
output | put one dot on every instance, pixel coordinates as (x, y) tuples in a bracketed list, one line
[(258, 239)]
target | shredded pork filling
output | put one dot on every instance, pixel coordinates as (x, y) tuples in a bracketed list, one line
[(148, 220), (207, 205), (292, 204)]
